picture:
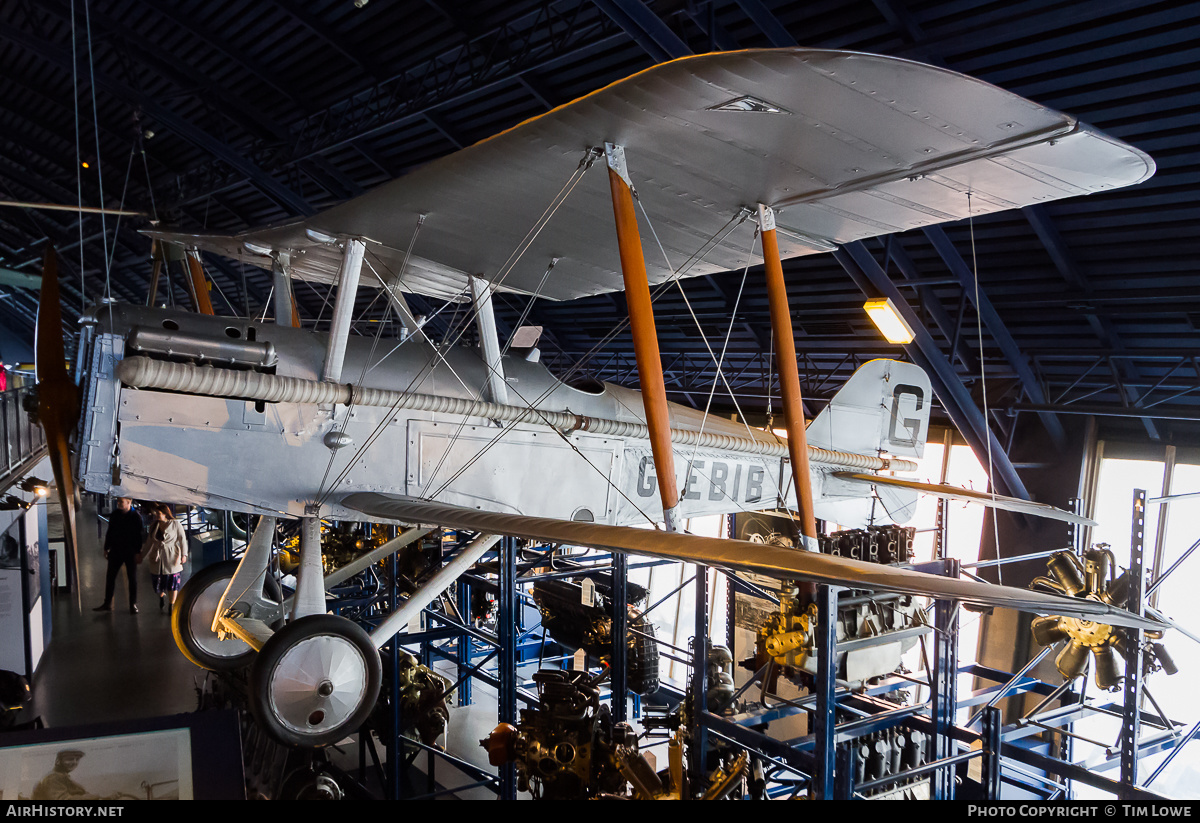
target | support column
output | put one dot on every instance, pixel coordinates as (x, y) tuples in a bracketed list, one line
[(1131, 720), (1164, 511), (698, 748), (464, 646), (412, 326), (825, 711), (343, 310), (992, 752), (252, 570), (789, 376), (943, 686), (645, 337), (489, 341), (431, 589), (199, 284), (619, 679), (395, 740), (941, 542), (506, 628), (310, 589), (284, 303)]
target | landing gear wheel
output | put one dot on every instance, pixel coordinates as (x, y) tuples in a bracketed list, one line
[(315, 681), (191, 620)]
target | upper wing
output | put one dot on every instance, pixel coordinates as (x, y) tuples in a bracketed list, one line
[(739, 555), (995, 501), (843, 145)]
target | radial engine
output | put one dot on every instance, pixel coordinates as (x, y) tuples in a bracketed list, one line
[(1093, 578)]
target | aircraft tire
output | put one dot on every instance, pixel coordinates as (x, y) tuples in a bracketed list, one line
[(315, 681), (191, 621)]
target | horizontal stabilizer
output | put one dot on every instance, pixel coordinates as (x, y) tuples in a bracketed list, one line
[(995, 501), (738, 555)]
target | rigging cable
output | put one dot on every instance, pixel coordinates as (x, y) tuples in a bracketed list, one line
[(457, 331), (780, 493), (78, 159), (987, 419)]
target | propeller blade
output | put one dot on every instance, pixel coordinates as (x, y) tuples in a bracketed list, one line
[(736, 555), (58, 406), (996, 501)]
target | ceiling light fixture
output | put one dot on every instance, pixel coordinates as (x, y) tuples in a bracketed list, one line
[(888, 320), (34, 485)]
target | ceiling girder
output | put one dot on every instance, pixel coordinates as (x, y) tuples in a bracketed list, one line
[(924, 351), (996, 328)]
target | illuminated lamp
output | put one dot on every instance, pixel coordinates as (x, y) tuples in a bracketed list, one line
[(889, 322)]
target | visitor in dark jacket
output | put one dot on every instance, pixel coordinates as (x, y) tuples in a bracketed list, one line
[(122, 547)]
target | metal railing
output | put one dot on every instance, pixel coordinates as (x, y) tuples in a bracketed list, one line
[(22, 438)]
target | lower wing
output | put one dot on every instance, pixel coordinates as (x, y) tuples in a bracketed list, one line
[(740, 556)]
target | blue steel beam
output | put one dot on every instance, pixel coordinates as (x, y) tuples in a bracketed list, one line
[(326, 32), (1064, 261), (395, 103), (924, 351), (929, 301), (1135, 672), (996, 328), (825, 712), (705, 19), (231, 53), (277, 191), (646, 29), (133, 46), (777, 35)]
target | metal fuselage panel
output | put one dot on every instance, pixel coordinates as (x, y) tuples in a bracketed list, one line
[(272, 458)]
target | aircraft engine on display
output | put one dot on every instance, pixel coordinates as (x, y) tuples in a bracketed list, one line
[(873, 630), (1092, 578), (581, 617), (568, 748), (422, 700)]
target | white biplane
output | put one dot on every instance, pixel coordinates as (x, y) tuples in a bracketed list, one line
[(819, 147)]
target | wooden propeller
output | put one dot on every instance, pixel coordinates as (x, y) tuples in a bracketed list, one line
[(58, 406)]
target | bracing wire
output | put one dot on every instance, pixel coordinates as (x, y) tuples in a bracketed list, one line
[(460, 327), (87, 19), (374, 346), (987, 419), (708, 347), (78, 158)]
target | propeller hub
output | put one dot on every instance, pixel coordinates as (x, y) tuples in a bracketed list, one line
[(1087, 632)]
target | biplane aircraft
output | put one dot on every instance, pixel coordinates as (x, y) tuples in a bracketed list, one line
[(753, 156)]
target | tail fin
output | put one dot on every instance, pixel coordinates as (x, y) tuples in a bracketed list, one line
[(884, 406)]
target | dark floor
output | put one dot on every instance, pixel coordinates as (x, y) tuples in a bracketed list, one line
[(104, 666)]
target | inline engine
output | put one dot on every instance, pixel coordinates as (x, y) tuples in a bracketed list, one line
[(873, 630)]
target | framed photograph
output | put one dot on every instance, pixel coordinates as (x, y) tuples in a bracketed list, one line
[(186, 757), (147, 766)]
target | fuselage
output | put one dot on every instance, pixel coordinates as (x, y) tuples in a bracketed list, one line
[(244, 455)]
